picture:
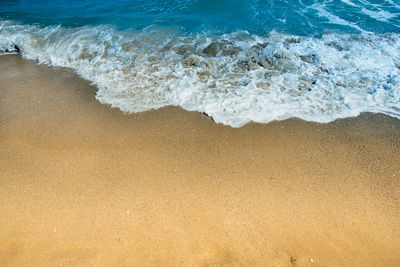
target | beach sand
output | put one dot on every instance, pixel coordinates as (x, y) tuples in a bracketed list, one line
[(82, 184)]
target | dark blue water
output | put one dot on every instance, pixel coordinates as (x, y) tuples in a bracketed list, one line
[(305, 17), (236, 60)]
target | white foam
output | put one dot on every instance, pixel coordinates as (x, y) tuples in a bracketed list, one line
[(334, 19), (350, 3), (235, 78), (377, 12)]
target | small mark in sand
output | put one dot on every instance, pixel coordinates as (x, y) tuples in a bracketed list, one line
[(293, 259)]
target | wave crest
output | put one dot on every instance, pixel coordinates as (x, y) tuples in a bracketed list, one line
[(235, 78)]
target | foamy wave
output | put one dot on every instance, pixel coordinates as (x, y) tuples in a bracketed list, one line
[(323, 12), (376, 11), (235, 78)]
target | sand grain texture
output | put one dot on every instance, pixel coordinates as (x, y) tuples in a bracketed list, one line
[(82, 184)]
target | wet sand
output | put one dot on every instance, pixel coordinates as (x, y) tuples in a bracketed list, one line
[(82, 184)]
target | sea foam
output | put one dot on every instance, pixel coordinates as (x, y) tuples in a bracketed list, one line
[(235, 78)]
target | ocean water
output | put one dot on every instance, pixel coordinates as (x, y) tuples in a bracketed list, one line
[(237, 61)]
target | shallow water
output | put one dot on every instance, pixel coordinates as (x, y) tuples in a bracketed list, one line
[(237, 61)]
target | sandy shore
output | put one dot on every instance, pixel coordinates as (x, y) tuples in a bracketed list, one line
[(82, 184)]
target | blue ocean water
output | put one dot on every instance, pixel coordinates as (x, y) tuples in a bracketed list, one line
[(236, 60), (307, 17)]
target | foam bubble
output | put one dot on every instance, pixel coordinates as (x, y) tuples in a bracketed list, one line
[(235, 78)]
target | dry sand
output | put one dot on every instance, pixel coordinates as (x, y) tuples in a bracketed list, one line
[(82, 184)]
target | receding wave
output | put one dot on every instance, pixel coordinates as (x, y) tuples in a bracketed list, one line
[(235, 78)]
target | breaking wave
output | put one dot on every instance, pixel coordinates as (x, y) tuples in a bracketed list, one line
[(235, 78)]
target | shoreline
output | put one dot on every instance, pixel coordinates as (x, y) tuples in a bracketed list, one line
[(84, 184)]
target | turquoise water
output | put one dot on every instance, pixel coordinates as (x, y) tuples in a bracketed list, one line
[(237, 61), (307, 17)]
